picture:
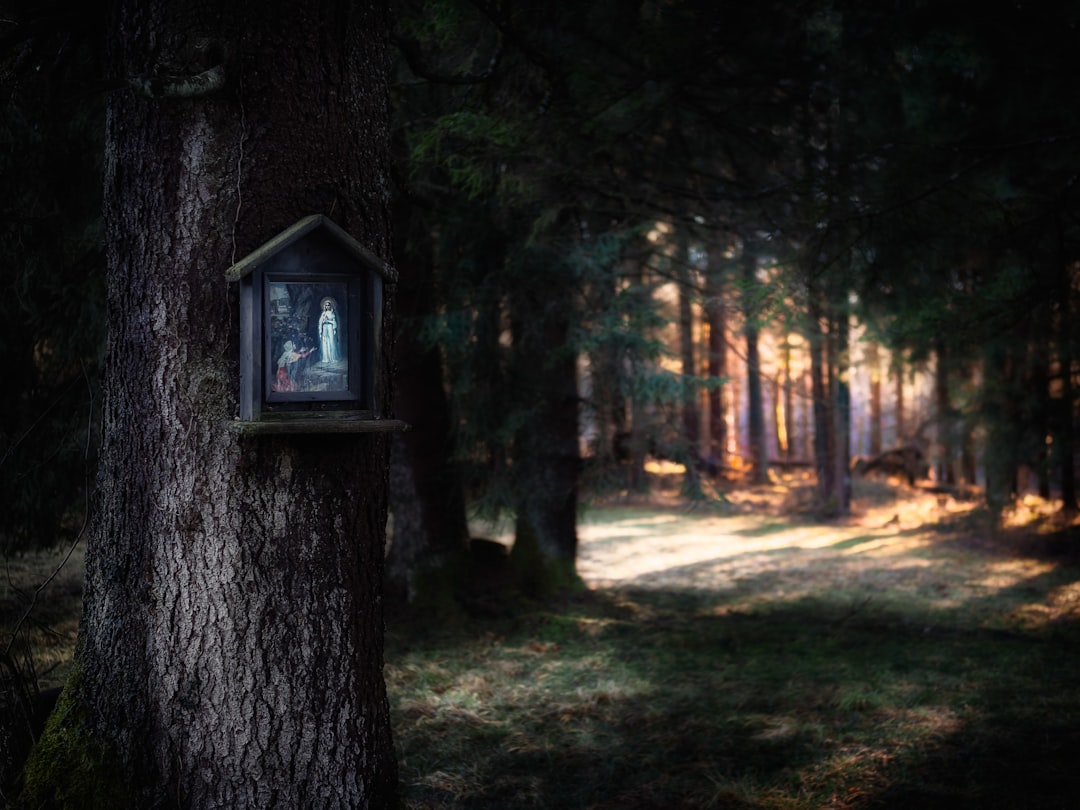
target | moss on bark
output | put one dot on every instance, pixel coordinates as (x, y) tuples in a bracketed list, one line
[(69, 767), (537, 574)]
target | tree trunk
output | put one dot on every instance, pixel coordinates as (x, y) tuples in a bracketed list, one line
[(842, 409), (1066, 441), (898, 371), (691, 418), (427, 499), (755, 406), (999, 407), (788, 393), (717, 367), (805, 429), (1040, 407), (777, 412), (823, 421), (638, 440), (946, 433), (231, 647), (546, 457), (873, 360)]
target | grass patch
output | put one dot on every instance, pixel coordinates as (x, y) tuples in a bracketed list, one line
[(723, 661), (39, 616), (731, 658)]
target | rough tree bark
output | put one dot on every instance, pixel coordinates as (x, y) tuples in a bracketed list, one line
[(231, 645)]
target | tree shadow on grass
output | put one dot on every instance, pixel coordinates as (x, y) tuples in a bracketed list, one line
[(649, 698)]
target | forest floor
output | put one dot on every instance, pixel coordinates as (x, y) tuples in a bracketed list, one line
[(741, 655), (735, 654)]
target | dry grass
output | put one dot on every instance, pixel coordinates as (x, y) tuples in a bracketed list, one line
[(40, 605), (728, 656), (735, 656)]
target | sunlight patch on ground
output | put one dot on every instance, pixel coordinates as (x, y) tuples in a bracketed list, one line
[(1030, 509), (1061, 604), (1010, 573), (934, 721), (888, 545), (893, 551), (1065, 601), (625, 550), (654, 467)]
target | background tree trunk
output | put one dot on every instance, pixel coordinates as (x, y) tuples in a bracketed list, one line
[(231, 647), (427, 499), (898, 407), (717, 366), (691, 417), (759, 459), (788, 393), (842, 407), (822, 410), (946, 430), (546, 456), (873, 360), (1066, 417)]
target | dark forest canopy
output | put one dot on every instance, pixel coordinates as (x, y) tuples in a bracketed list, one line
[(910, 167)]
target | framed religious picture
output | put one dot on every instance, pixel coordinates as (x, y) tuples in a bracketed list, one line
[(310, 323), (308, 341)]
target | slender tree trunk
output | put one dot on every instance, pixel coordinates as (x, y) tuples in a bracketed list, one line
[(1039, 363), (842, 409), (967, 453), (777, 411), (1066, 439), (788, 394), (691, 418), (823, 421), (717, 370), (898, 379), (946, 433), (738, 417), (1000, 390), (873, 360), (231, 643), (638, 439), (806, 411), (755, 406)]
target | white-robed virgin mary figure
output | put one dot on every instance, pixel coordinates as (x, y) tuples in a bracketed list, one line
[(329, 351)]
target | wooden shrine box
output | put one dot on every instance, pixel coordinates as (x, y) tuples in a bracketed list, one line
[(310, 323)]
